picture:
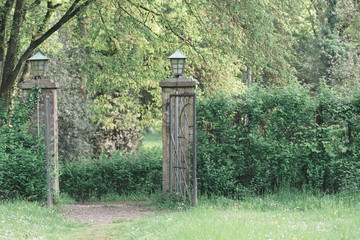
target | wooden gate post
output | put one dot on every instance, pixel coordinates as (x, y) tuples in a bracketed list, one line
[(171, 86), (48, 90)]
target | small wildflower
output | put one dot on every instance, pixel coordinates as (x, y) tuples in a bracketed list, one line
[(336, 211)]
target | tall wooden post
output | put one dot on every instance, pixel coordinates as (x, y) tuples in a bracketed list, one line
[(48, 91), (171, 86)]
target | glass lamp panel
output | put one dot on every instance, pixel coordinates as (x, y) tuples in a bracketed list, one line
[(34, 71), (45, 67), (41, 68), (177, 66), (181, 66), (174, 66), (38, 68), (173, 63)]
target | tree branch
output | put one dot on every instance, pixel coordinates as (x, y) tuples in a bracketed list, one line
[(70, 13), (144, 8), (50, 10), (13, 67), (186, 41), (13, 43), (116, 50), (3, 21), (146, 26), (34, 4)]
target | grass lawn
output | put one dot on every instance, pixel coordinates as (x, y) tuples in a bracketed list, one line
[(281, 216), (153, 139), (28, 220), (270, 217)]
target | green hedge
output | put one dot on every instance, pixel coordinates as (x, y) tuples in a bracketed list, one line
[(22, 154), (267, 138), (120, 173)]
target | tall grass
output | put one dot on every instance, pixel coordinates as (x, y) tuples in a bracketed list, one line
[(28, 220), (285, 215), (281, 216)]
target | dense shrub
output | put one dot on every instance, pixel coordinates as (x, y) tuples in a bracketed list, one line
[(120, 173), (22, 156), (266, 138)]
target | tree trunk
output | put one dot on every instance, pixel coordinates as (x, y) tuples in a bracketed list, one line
[(13, 64)]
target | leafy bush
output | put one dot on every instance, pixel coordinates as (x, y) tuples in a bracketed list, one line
[(22, 156), (266, 138), (120, 173)]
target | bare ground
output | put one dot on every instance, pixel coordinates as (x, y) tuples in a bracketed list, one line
[(106, 212)]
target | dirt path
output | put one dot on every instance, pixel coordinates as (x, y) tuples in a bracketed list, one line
[(106, 212)]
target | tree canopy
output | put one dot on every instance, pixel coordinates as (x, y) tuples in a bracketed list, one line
[(114, 52)]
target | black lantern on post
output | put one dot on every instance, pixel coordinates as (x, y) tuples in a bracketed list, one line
[(39, 65), (177, 61)]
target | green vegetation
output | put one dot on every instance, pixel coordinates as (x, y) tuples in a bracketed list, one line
[(22, 154), (279, 106), (28, 220), (110, 59), (258, 141), (289, 216), (285, 215), (153, 138), (119, 173), (114, 197), (24, 26)]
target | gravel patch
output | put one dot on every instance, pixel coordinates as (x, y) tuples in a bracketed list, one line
[(105, 212)]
